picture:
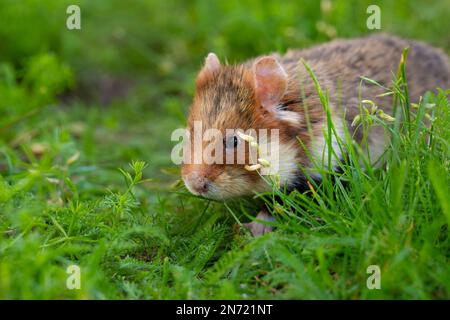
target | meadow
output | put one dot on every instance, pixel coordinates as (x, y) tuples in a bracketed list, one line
[(86, 177)]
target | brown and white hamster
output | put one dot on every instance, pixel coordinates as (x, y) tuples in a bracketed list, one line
[(277, 92)]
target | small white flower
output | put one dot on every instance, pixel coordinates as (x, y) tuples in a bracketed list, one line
[(430, 117), (386, 117), (368, 102), (374, 109), (73, 158), (254, 144), (253, 167), (245, 137), (53, 180), (356, 120), (264, 162)]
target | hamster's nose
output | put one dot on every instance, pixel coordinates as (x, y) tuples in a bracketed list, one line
[(197, 184)]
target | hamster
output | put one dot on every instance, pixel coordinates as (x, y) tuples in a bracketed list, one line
[(276, 92)]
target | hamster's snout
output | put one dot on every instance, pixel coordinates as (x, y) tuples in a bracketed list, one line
[(196, 183)]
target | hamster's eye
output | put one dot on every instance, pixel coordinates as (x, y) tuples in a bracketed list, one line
[(230, 142)]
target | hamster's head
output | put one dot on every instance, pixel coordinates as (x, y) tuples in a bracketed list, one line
[(235, 111)]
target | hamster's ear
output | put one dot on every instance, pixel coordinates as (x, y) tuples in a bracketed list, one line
[(212, 64), (270, 82)]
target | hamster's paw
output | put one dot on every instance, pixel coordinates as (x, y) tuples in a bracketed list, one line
[(258, 229)]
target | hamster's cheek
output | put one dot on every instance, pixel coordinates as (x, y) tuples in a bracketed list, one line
[(236, 181), (226, 186)]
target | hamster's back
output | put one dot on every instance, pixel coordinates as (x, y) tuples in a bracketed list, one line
[(376, 57), (340, 64)]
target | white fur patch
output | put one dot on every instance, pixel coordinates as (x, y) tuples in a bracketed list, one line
[(378, 142), (320, 150), (283, 159), (228, 185), (292, 117)]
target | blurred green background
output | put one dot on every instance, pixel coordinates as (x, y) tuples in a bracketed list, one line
[(75, 105)]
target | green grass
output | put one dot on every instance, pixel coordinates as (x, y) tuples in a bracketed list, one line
[(69, 196)]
